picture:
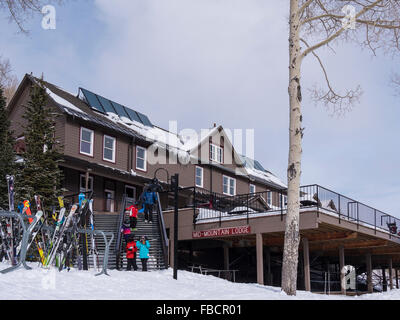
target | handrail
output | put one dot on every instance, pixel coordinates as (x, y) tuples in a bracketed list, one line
[(163, 232), (119, 236)]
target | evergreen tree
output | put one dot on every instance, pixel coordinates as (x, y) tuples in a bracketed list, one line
[(7, 154), (41, 174)]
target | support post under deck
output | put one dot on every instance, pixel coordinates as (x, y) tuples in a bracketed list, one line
[(369, 272), (342, 275), (260, 266), (306, 261)]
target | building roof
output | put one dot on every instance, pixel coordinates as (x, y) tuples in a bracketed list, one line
[(114, 116)]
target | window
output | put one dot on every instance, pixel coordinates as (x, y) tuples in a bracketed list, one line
[(130, 193), (252, 188), (199, 177), (86, 145), (284, 199), (109, 148), (216, 153), (269, 198), (82, 183), (141, 158), (229, 185), (110, 200)]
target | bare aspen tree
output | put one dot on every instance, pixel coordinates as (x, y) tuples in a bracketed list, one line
[(314, 24), (8, 81)]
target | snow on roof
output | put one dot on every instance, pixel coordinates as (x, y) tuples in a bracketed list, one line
[(265, 175), (160, 137), (61, 101)]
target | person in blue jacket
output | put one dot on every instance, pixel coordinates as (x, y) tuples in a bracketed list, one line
[(143, 246), (149, 198)]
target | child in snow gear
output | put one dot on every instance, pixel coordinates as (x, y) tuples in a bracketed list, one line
[(133, 213), (126, 231), (143, 246), (149, 198), (131, 250)]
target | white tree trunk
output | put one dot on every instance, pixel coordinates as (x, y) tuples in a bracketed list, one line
[(292, 236)]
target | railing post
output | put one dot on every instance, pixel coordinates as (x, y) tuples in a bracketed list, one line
[(220, 216), (317, 201), (358, 216), (375, 220), (194, 207), (280, 192), (339, 207), (247, 204)]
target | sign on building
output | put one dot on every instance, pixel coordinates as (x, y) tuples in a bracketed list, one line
[(221, 232)]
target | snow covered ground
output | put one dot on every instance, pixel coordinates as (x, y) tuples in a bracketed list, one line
[(155, 285)]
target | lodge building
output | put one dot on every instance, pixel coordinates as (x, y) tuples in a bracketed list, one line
[(231, 209)]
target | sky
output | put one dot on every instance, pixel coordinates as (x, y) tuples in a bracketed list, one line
[(224, 62)]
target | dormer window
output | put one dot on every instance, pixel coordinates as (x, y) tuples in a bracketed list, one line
[(216, 153)]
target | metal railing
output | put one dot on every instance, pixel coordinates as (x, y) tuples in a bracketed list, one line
[(214, 206), (211, 206), (346, 208), (163, 233)]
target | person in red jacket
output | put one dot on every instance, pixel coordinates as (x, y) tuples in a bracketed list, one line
[(131, 250), (133, 213)]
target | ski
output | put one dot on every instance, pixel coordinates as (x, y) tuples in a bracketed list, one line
[(5, 248), (58, 238), (94, 252), (69, 244), (60, 221), (61, 201), (27, 210), (41, 246), (72, 239), (39, 223), (10, 234)]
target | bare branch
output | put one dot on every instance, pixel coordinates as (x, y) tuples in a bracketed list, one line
[(377, 17), (340, 103), (8, 81), (304, 6), (20, 10)]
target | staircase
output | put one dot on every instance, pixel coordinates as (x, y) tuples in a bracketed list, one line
[(152, 233), (111, 223)]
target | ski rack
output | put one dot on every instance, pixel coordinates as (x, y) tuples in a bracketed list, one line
[(107, 250), (96, 232), (25, 239), (28, 231)]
